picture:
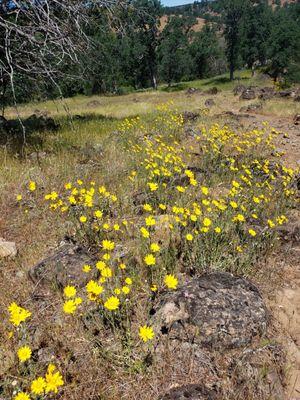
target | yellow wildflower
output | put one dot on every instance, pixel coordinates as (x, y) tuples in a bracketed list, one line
[(112, 303), (150, 259), (146, 333), (171, 281), (24, 353)]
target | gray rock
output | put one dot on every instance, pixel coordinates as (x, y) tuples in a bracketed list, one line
[(248, 94), (209, 103), (93, 104), (189, 116), (217, 311), (239, 89), (190, 392), (7, 249), (266, 93), (63, 267), (251, 107), (214, 90), (192, 90), (296, 119)]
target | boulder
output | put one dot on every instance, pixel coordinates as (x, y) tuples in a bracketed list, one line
[(296, 119), (216, 310), (251, 107), (190, 392), (189, 116), (239, 89), (209, 103), (40, 123), (63, 267), (192, 90), (290, 93), (214, 90), (93, 104), (266, 93), (248, 94), (7, 249)]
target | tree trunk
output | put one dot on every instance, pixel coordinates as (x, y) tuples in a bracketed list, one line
[(154, 83), (231, 72)]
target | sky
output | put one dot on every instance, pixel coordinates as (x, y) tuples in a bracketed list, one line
[(175, 2)]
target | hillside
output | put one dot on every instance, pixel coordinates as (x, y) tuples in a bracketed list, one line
[(147, 241)]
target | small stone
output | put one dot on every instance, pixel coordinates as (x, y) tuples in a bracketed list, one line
[(248, 94), (7, 249), (209, 103), (190, 392)]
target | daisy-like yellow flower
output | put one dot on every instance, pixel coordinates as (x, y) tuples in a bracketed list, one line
[(238, 218), (106, 272), (150, 221), (147, 207), (112, 303), (24, 353), (100, 265), (180, 189), (21, 396), (86, 268), (53, 379), (252, 232), (145, 233), (69, 307), (98, 214), (125, 289), (271, 223), (207, 222), (150, 259), (70, 291), (32, 186), (233, 204), (218, 229), (38, 386), (82, 219), (155, 247), (171, 281), (108, 245), (153, 288), (94, 288), (153, 186), (189, 237), (128, 281), (18, 314), (204, 190), (19, 197), (146, 333)]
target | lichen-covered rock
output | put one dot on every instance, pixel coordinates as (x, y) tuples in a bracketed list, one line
[(217, 311), (7, 249), (209, 103), (248, 94), (190, 392), (63, 267)]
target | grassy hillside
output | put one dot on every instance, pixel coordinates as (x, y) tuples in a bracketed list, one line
[(154, 196)]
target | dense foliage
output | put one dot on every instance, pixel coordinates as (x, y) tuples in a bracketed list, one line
[(146, 44)]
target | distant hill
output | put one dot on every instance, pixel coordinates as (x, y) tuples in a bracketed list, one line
[(207, 8)]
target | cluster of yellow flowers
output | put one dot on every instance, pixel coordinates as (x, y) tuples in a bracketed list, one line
[(41, 385), (211, 198)]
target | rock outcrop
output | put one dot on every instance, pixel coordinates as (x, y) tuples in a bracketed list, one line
[(217, 311)]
